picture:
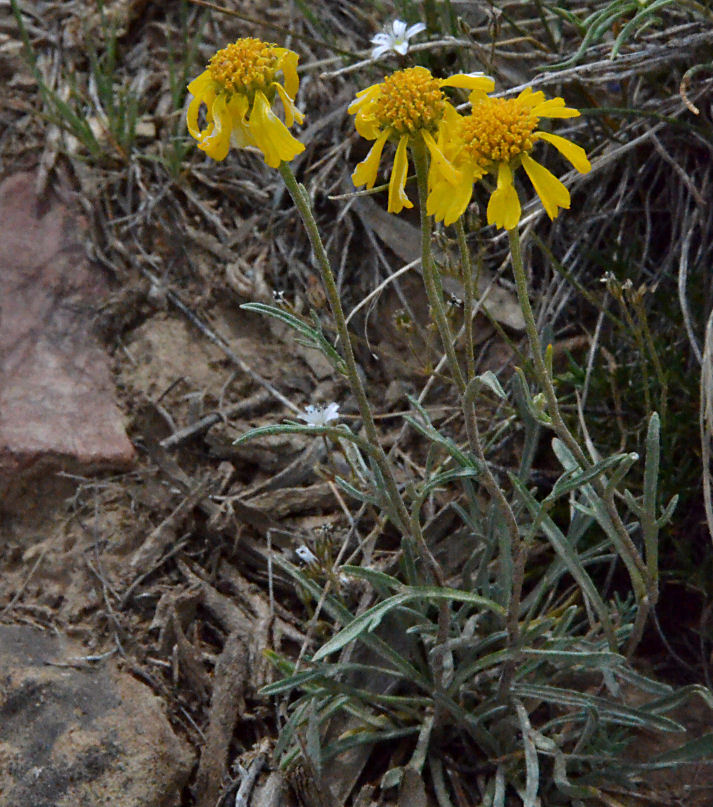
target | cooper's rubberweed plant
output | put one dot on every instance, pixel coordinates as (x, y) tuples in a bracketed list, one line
[(497, 642)]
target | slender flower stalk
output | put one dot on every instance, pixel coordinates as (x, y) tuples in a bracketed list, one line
[(467, 267), (645, 588), (431, 278), (517, 547), (301, 200)]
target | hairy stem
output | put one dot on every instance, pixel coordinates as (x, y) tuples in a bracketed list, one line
[(518, 548), (301, 200), (645, 589), (467, 267), (431, 281)]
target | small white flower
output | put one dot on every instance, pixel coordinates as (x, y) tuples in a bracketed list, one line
[(320, 415), (395, 37), (306, 555)]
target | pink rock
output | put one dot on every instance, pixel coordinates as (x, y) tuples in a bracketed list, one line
[(57, 406)]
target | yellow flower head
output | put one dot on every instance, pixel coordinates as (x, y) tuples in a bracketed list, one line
[(497, 137), (409, 104), (238, 88)]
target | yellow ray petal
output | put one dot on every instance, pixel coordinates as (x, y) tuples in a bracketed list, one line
[(574, 153), (529, 98), (203, 92), (504, 205), (192, 115), (439, 162), (469, 82), (397, 196), (200, 84), (365, 172), (287, 62), (270, 133), (550, 190), (364, 97), (554, 108), (216, 142), (448, 202), (240, 136), (447, 140), (292, 114), (366, 124)]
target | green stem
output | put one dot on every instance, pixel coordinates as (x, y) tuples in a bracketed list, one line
[(518, 548), (430, 276), (301, 200), (645, 589), (541, 373), (467, 267)]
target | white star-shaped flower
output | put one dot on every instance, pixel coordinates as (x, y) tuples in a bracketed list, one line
[(395, 37), (320, 415), (306, 555)]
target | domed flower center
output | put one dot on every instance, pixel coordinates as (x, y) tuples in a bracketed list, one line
[(411, 100), (498, 129), (244, 66)]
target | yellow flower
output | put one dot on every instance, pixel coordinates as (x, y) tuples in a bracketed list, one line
[(497, 137), (407, 105), (238, 88)]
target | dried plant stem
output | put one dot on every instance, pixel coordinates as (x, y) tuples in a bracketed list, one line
[(431, 280), (301, 200)]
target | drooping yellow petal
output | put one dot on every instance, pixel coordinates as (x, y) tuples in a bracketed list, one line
[(397, 195), (363, 97), (216, 136), (287, 62), (365, 172), (447, 202), (292, 114), (366, 124), (468, 81), (192, 114), (571, 151), (270, 133), (200, 84), (554, 108), (240, 137), (504, 205), (203, 91), (439, 162), (550, 190)]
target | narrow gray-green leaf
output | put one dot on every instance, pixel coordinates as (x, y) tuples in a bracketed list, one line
[(371, 618)]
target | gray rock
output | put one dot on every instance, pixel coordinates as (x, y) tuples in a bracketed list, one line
[(81, 737)]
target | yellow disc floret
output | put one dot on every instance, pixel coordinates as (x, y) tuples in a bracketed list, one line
[(411, 100), (498, 130), (244, 66)]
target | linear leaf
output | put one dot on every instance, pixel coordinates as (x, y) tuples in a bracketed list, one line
[(370, 619)]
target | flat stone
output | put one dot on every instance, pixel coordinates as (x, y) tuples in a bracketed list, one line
[(57, 404), (81, 737)]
